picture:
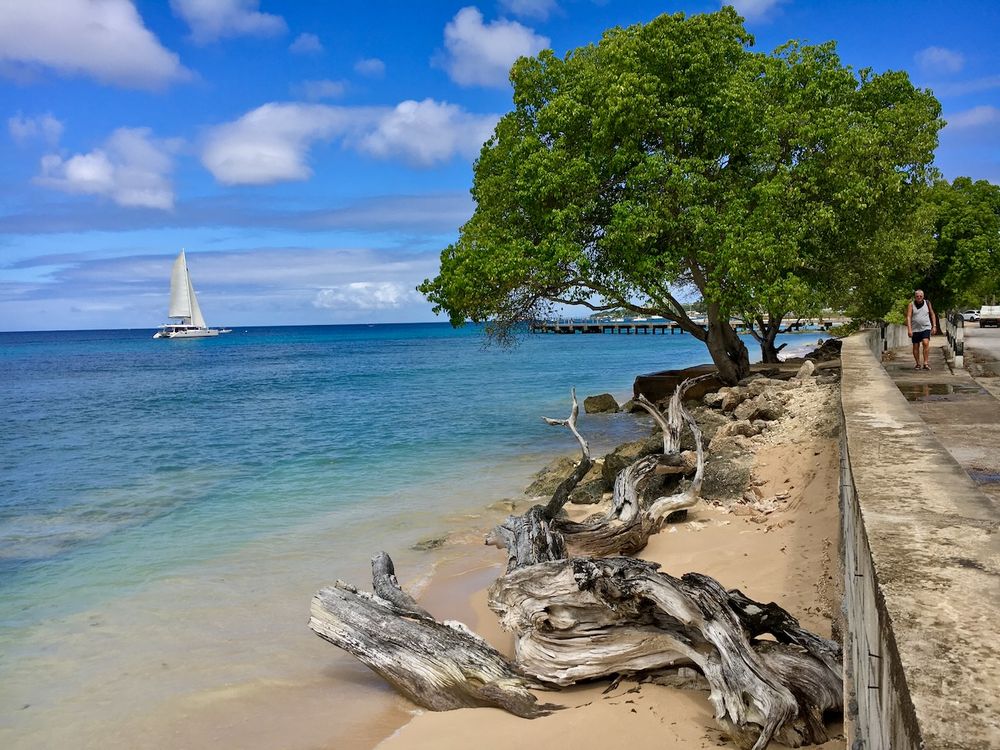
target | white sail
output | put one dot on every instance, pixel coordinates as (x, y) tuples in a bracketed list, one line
[(196, 316), (184, 305), (181, 292), (183, 302)]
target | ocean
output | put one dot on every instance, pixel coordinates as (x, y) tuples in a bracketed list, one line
[(168, 507)]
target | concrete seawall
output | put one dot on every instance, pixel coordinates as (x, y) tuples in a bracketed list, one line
[(921, 553)]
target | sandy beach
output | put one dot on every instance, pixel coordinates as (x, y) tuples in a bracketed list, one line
[(787, 554)]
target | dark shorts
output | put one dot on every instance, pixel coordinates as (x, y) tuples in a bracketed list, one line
[(919, 336)]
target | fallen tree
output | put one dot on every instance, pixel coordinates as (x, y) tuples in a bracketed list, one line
[(439, 666), (542, 534), (581, 619)]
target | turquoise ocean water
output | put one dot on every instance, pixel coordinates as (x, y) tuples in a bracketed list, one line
[(168, 507)]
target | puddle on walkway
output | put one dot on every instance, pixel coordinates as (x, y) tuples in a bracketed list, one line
[(938, 391), (984, 477)]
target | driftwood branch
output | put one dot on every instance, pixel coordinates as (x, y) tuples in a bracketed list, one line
[(562, 492), (583, 619), (439, 666), (627, 525), (678, 417)]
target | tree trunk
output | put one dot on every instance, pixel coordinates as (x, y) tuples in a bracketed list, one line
[(769, 331), (581, 619), (768, 352), (727, 349), (439, 666)]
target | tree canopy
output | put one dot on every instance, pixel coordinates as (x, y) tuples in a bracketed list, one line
[(966, 266), (671, 155)]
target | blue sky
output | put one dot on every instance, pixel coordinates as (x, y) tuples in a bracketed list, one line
[(314, 157)]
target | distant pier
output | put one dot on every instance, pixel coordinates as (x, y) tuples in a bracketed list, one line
[(652, 327)]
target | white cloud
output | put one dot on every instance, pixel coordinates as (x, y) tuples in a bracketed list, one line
[(754, 10), (939, 60), (370, 67), (365, 295), (306, 44), (427, 132), (104, 39), (482, 55), (539, 9), (131, 168), (214, 19), (46, 127), (315, 90), (974, 118), (271, 143)]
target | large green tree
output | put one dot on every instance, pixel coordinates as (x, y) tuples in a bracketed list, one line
[(671, 156), (966, 266)]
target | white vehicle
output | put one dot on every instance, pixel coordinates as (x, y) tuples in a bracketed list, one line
[(989, 315), (970, 315)]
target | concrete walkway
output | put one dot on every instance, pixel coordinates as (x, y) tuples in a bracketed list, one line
[(959, 411), (921, 551)]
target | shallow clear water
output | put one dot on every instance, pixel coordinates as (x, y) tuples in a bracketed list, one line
[(168, 507)]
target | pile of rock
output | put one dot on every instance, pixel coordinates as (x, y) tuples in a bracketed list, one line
[(827, 351), (734, 421), (758, 411)]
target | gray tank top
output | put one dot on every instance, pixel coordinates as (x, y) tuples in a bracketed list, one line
[(920, 317)]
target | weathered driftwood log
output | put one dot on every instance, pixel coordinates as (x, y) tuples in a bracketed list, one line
[(439, 666), (629, 522), (582, 619), (529, 538), (627, 525)]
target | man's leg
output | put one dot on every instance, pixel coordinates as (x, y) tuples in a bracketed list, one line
[(927, 352), (916, 353)]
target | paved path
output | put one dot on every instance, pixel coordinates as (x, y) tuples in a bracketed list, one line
[(921, 552), (963, 412), (982, 359)]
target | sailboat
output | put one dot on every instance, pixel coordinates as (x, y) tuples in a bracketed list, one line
[(184, 305)]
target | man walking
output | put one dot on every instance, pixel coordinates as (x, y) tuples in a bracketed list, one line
[(920, 323)]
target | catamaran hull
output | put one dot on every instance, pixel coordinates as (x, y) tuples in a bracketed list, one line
[(186, 334)]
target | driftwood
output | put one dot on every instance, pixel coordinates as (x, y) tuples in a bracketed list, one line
[(562, 492), (533, 536), (439, 666), (577, 619), (583, 619), (542, 535)]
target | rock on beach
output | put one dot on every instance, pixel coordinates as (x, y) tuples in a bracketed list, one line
[(602, 403)]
